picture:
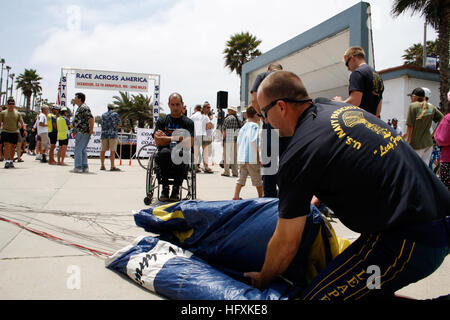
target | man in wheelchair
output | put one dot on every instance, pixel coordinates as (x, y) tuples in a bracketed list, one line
[(174, 137)]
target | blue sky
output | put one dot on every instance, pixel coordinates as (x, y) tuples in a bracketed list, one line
[(181, 40)]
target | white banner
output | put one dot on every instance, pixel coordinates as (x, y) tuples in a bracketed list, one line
[(94, 146), (110, 80), (144, 136)]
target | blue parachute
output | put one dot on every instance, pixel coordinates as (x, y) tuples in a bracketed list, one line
[(204, 248)]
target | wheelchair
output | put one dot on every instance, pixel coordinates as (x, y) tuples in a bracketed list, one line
[(153, 180)]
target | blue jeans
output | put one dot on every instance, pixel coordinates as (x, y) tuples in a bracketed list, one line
[(80, 156)]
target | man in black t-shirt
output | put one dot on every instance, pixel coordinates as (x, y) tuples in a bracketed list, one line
[(269, 178), (366, 86), (173, 135), (372, 180)]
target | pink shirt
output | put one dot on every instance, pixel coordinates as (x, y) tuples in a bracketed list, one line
[(442, 137)]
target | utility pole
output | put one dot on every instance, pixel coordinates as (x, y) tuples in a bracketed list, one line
[(7, 78), (424, 52), (12, 83), (2, 61)]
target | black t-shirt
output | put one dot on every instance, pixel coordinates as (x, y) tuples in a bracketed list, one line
[(259, 78), (360, 168), (366, 80), (168, 125)]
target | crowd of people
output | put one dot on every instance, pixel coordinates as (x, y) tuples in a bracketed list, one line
[(335, 152)]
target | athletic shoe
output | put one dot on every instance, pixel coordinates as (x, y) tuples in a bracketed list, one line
[(76, 170), (6, 165), (164, 194), (175, 195)]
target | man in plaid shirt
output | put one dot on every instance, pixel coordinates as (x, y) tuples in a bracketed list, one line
[(230, 131)]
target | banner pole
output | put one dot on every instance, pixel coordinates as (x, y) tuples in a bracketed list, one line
[(121, 139)]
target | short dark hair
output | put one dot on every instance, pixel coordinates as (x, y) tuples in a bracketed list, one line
[(80, 96), (274, 66), (175, 94), (250, 111)]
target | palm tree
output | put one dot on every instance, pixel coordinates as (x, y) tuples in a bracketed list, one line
[(437, 14), (414, 54), (241, 48), (125, 110), (135, 109), (29, 82), (143, 109)]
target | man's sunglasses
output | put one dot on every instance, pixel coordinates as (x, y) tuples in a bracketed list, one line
[(348, 61), (265, 109)]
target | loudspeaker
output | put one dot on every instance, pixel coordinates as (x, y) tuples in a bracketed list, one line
[(222, 99)]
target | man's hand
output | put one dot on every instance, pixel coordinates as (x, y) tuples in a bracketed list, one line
[(256, 280), (338, 98)]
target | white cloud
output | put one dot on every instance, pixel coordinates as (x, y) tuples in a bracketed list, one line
[(184, 43)]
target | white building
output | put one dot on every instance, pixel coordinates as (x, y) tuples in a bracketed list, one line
[(399, 82)]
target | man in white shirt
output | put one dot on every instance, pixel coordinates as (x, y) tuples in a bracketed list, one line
[(42, 131), (200, 133)]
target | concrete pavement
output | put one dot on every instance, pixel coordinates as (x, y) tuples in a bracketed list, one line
[(95, 210)]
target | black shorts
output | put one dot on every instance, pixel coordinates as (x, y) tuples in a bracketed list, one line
[(8, 137), (64, 142), (53, 136)]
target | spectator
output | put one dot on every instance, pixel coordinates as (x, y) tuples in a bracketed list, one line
[(420, 116), (171, 130), (83, 127), (248, 154), (208, 138), (111, 124), (10, 122), (398, 129), (42, 127), (31, 139), (366, 86), (230, 131), (21, 143), (52, 133), (267, 135), (442, 137), (200, 132), (63, 124)]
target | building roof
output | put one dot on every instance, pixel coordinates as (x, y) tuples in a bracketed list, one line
[(411, 71)]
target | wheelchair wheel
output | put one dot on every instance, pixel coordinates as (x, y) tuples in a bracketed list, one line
[(143, 151), (151, 180)]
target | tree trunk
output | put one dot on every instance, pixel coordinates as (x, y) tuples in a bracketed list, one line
[(443, 49), (28, 102)]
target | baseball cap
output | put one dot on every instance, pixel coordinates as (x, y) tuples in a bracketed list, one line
[(394, 119), (427, 92), (418, 92), (55, 106)]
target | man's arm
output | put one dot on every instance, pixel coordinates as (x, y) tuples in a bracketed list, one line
[(282, 248), (91, 125), (378, 114), (409, 134), (355, 98)]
